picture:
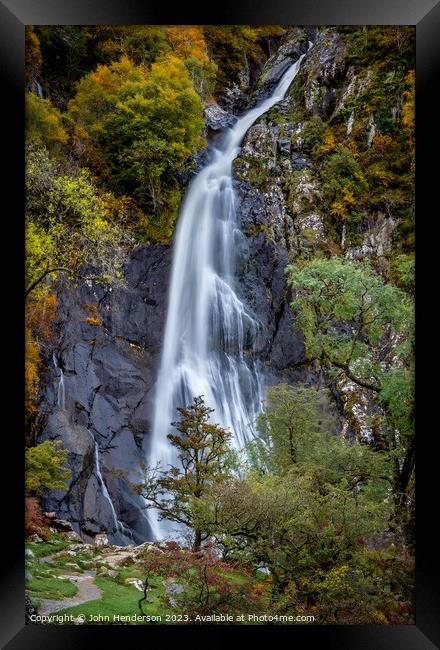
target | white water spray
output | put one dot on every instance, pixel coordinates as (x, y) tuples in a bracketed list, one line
[(210, 334), (61, 391), (118, 525)]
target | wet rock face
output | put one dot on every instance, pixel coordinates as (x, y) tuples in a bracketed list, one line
[(278, 64), (108, 354)]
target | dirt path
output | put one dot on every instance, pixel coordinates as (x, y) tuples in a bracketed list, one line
[(87, 590)]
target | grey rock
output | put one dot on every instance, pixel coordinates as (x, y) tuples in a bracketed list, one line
[(216, 118), (50, 515), (101, 539), (299, 162), (29, 552), (284, 146), (62, 525), (27, 576), (36, 539)]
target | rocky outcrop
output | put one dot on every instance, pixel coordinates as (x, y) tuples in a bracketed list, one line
[(107, 353)]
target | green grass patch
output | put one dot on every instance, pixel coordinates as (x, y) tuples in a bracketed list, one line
[(118, 599), (46, 548), (52, 588)]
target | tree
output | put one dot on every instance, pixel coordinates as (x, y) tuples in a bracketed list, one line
[(350, 317), (44, 122), (289, 424), (45, 467), (144, 124), (71, 224), (311, 518), (202, 451)]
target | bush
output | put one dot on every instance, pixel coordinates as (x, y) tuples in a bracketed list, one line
[(45, 468)]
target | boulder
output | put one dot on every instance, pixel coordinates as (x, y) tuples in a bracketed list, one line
[(101, 539), (216, 118), (62, 525)]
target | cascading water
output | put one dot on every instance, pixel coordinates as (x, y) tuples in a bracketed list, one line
[(210, 334), (119, 527), (61, 391)]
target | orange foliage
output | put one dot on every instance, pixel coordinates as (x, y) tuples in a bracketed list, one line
[(188, 41), (31, 371), (33, 519), (40, 317), (94, 318)]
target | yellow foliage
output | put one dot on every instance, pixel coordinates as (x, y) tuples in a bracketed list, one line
[(383, 176), (91, 320), (44, 122), (329, 143), (337, 209), (378, 617), (40, 315), (32, 54), (31, 370), (94, 318), (382, 142), (347, 197), (188, 41)]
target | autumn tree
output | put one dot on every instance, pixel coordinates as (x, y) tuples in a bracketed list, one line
[(46, 467), (188, 43), (143, 123), (70, 224), (202, 451), (44, 122)]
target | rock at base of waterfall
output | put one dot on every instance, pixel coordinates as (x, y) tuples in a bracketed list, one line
[(216, 118), (101, 539)]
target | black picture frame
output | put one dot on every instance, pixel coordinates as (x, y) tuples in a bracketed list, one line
[(14, 15)]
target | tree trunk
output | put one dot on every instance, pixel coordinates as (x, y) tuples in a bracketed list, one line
[(197, 541)]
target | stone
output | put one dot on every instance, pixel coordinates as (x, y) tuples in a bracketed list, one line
[(29, 610), (299, 162), (101, 539), (136, 583), (50, 515), (284, 146), (216, 118), (29, 552), (27, 576), (74, 537), (36, 539), (62, 525)]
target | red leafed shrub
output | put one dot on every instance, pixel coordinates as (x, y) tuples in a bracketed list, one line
[(34, 521), (204, 584)]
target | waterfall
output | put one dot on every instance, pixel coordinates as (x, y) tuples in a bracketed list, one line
[(210, 334), (118, 525), (61, 391)]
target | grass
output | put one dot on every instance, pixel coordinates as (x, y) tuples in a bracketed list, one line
[(118, 599), (49, 548), (52, 588)]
